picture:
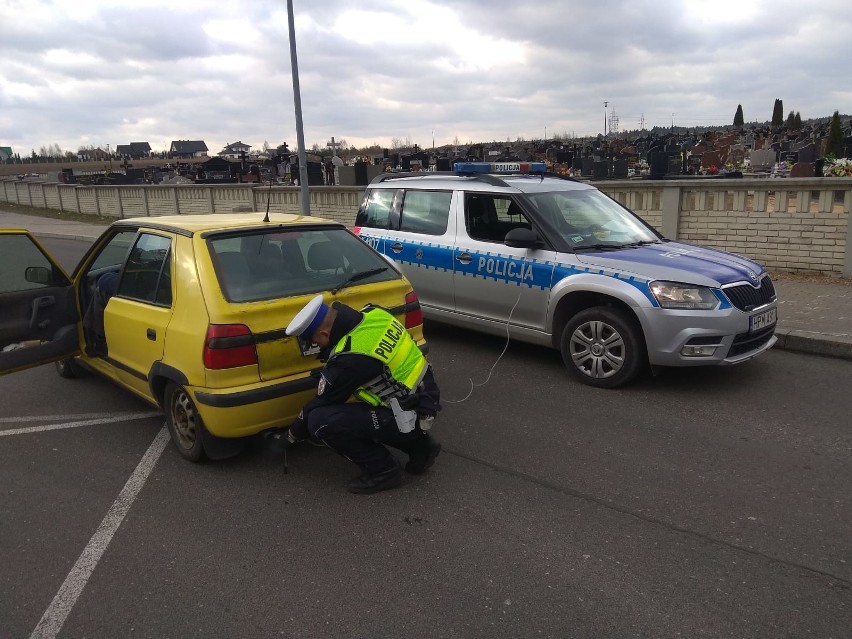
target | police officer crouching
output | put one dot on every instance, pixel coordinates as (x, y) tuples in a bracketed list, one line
[(371, 356)]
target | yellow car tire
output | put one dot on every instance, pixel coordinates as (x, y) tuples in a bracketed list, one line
[(69, 369), (185, 424)]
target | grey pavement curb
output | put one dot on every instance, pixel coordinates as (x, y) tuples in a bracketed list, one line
[(814, 343)]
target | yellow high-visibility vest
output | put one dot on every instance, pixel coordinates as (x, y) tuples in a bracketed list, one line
[(381, 336)]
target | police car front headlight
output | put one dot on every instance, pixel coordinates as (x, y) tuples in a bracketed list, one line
[(683, 296)]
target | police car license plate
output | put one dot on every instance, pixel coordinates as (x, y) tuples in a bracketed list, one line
[(762, 320)]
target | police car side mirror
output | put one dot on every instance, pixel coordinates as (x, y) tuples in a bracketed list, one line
[(522, 238)]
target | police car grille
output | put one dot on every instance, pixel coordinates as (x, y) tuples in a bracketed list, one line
[(745, 342), (747, 297)]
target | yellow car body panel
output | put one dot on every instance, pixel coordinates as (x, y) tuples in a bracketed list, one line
[(150, 345)]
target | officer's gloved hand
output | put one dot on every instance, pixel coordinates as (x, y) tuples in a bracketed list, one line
[(425, 420)]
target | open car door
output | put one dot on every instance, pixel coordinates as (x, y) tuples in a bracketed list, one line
[(38, 309)]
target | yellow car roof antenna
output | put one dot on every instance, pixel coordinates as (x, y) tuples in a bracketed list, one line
[(268, 199)]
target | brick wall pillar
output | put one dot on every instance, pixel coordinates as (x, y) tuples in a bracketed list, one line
[(847, 207), (670, 204)]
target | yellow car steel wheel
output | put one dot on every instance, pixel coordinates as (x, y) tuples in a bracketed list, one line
[(184, 423)]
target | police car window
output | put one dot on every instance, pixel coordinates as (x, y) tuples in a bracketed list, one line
[(590, 217), (375, 210), (147, 274), (488, 217), (425, 212)]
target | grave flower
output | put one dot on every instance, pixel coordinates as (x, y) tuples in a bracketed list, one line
[(841, 167)]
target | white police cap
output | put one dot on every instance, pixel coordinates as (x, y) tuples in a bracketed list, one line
[(308, 320)]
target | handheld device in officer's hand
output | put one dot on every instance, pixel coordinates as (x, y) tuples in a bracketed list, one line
[(405, 419)]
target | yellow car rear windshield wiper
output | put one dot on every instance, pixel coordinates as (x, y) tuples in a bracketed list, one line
[(358, 276)]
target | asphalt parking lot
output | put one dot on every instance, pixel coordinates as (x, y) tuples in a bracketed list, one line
[(644, 512), (705, 502)]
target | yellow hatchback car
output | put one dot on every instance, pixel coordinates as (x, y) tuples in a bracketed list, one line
[(188, 312)]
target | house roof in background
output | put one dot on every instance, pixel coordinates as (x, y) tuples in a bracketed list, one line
[(188, 146), (235, 146), (134, 148)]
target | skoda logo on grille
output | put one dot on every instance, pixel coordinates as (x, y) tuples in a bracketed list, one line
[(752, 275)]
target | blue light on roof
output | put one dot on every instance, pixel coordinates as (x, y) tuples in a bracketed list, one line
[(500, 167)]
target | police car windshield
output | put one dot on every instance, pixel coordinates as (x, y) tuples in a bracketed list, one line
[(588, 219)]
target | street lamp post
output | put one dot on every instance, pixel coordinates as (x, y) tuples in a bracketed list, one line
[(605, 105), (297, 101)]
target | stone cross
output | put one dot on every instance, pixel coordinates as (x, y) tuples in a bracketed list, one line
[(333, 146)]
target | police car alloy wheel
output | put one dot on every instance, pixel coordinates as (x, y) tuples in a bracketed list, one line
[(603, 348)]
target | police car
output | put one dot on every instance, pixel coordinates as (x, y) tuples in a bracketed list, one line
[(500, 247)]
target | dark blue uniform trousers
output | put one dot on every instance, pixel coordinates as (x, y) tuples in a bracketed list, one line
[(359, 432)]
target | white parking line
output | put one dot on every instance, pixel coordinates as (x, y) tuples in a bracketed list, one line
[(19, 419), (115, 417), (56, 614)]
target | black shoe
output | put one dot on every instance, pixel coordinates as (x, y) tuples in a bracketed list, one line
[(368, 484), (419, 463)]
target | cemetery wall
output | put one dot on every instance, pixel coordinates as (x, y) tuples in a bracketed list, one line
[(791, 224)]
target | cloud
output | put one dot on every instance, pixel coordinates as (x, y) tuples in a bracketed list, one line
[(103, 72)]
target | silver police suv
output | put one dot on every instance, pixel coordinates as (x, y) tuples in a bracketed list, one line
[(553, 261)]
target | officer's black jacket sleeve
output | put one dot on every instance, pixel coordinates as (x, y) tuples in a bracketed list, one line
[(429, 395)]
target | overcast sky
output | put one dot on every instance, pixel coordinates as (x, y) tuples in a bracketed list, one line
[(84, 72)]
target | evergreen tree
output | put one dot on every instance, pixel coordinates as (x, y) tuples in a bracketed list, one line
[(738, 116), (778, 113), (791, 121), (798, 121), (834, 141)]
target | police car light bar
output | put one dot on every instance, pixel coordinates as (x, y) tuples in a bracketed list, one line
[(500, 167)]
